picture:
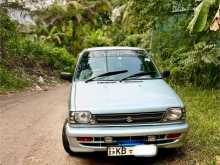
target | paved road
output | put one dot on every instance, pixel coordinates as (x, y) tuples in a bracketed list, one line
[(30, 132)]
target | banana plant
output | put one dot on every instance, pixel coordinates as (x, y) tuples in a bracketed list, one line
[(201, 14), (53, 35), (78, 12)]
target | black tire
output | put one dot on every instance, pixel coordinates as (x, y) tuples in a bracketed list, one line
[(66, 145)]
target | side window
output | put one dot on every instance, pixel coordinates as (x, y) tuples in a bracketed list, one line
[(149, 66), (83, 68)]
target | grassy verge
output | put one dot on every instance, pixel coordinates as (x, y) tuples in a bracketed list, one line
[(203, 110), (10, 80), (203, 138), (27, 60)]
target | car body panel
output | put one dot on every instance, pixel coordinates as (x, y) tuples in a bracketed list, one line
[(126, 130), (124, 97), (112, 48), (76, 146)]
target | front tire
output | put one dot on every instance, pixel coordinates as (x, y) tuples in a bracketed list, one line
[(66, 145)]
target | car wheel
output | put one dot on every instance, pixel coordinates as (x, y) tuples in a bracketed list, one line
[(66, 145)]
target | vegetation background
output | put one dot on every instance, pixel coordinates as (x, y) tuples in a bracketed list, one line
[(181, 35)]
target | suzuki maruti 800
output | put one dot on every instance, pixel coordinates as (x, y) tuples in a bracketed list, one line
[(120, 104)]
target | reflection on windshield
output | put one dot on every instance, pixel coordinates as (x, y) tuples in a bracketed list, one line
[(95, 63)]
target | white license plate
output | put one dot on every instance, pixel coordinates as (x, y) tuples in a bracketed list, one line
[(139, 150), (120, 151)]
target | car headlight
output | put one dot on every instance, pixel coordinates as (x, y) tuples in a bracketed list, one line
[(81, 117), (173, 114)]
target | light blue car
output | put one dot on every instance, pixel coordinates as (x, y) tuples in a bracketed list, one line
[(120, 104)]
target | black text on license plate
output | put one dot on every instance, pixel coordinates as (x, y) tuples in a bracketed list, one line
[(119, 151)]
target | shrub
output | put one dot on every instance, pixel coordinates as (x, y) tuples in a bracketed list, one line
[(97, 38), (10, 80), (199, 66), (34, 54), (141, 40)]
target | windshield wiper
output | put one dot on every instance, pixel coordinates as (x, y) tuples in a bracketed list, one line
[(137, 74), (107, 74)]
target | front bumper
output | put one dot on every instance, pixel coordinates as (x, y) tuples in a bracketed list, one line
[(125, 131)]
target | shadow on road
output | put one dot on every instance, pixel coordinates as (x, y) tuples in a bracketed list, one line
[(164, 155)]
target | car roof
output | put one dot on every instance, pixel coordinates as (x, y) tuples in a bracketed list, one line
[(113, 48)]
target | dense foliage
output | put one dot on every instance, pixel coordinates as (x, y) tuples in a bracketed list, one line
[(24, 57), (175, 35), (192, 57)]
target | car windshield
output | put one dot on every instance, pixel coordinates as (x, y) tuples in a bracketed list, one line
[(95, 63)]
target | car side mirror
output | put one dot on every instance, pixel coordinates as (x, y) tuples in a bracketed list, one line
[(165, 74), (66, 76)]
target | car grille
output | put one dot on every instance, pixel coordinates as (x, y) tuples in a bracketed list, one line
[(125, 118)]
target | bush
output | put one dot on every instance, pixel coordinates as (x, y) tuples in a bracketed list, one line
[(7, 31), (38, 54), (97, 38), (10, 80), (140, 40), (199, 66)]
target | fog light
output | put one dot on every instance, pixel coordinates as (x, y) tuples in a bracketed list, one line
[(85, 139), (173, 136), (108, 139), (151, 138)]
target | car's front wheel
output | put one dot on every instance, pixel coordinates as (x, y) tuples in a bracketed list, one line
[(66, 145)]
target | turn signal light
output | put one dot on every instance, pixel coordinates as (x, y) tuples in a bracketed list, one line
[(85, 139)]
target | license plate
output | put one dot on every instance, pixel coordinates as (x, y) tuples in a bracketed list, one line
[(120, 151), (139, 150)]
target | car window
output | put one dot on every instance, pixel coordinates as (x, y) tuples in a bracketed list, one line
[(97, 62)]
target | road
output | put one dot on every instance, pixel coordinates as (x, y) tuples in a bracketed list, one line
[(30, 132)]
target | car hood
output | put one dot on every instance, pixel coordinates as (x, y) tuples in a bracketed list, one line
[(124, 97)]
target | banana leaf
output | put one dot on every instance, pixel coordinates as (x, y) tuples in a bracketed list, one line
[(199, 21)]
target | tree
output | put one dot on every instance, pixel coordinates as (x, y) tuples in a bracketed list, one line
[(78, 12), (7, 31)]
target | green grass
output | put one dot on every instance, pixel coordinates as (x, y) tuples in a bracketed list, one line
[(11, 80), (203, 139), (203, 111)]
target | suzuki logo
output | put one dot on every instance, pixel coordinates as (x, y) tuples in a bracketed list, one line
[(129, 119)]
